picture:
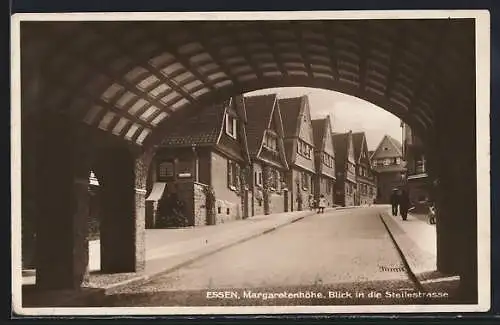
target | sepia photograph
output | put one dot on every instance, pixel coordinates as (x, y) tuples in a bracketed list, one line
[(250, 162)]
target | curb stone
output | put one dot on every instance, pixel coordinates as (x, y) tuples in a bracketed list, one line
[(138, 280)]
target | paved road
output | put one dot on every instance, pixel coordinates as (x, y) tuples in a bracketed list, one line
[(322, 259)]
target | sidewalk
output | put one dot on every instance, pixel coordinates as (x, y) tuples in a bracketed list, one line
[(416, 238), (169, 249)]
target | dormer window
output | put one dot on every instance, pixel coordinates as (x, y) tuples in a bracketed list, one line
[(271, 141), (231, 126)]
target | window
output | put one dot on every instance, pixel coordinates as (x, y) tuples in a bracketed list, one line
[(165, 171), (328, 160), (271, 141), (398, 161), (231, 123), (233, 172), (304, 149), (351, 168), (420, 165), (387, 162), (258, 178)]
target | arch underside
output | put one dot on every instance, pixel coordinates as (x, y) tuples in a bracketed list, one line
[(130, 78)]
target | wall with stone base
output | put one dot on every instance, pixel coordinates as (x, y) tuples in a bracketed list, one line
[(276, 203), (200, 205), (226, 211), (225, 198)]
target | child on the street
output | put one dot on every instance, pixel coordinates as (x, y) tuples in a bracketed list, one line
[(321, 204)]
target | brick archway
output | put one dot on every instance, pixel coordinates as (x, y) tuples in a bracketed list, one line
[(130, 78)]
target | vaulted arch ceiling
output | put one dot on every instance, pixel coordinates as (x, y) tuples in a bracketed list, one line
[(131, 79)]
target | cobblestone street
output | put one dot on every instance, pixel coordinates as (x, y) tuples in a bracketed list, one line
[(335, 255)]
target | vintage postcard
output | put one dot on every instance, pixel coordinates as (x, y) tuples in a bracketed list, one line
[(250, 162)]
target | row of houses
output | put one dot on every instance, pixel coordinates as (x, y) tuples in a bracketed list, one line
[(255, 155)]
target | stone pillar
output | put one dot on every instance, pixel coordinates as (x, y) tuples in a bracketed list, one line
[(142, 164), (123, 217), (457, 196), (443, 161), (61, 205), (466, 168)]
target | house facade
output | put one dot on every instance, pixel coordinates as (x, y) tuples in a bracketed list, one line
[(345, 165), (365, 177), (266, 177), (387, 162), (197, 177), (324, 155), (299, 148), (416, 172)]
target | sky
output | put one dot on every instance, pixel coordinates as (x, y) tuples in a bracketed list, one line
[(347, 112)]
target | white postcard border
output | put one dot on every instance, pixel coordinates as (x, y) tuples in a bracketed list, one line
[(482, 19)]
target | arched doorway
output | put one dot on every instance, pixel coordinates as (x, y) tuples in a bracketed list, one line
[(140, 81)]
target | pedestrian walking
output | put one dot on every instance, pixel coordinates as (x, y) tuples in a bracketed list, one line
[(321, 204), (394, 201), (404, 204)]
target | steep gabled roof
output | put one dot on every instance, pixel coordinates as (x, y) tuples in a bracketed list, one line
[(341, 146), (258, 111), (203, 129), (396, 143), (290, 111), (357, 141), (388, 148), (319, 127)]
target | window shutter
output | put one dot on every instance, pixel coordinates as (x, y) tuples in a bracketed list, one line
[(229, 173)]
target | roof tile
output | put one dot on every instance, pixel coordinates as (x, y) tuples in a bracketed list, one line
[(290, 110), (258, 110), (201, 129)]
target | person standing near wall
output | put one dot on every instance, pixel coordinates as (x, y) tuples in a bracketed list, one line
[(394, 202), (404, 204), (311, 202)]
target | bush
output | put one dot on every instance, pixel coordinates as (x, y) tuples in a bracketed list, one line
[(210, 204)]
